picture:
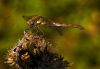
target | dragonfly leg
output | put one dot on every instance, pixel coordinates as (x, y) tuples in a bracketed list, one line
[(39, 31)]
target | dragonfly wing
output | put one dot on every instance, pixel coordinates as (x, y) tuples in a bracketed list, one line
[(58, 29)]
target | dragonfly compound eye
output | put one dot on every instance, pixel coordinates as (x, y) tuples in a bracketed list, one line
[(30, 21), (34, 20)]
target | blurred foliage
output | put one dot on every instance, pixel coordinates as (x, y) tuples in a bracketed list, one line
[(80, 47)]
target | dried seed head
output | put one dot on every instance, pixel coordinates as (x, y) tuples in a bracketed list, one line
[(33, 52)]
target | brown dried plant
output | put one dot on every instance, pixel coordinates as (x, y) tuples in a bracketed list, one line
[(35, 52)]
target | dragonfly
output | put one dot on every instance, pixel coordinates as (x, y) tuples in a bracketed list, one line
[(35, 21)]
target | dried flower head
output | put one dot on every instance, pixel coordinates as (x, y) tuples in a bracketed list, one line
[(35, 52)]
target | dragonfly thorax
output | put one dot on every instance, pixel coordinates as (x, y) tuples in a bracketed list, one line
[(35, 20)]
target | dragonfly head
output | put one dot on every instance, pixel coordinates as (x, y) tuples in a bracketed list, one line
[(33, 20)]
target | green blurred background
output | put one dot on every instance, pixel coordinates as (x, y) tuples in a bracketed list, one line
[(80, 47)]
